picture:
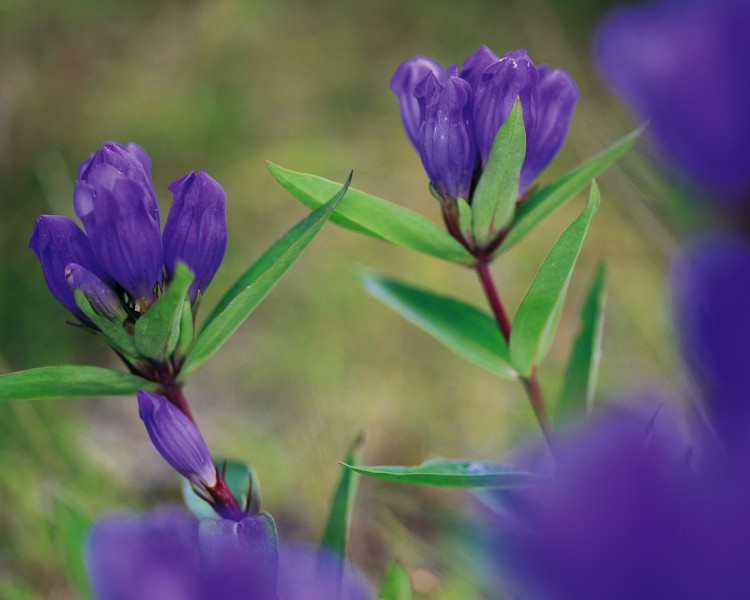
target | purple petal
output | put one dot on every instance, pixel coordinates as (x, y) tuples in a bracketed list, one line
[(556, 96), (124, 236), (57, 241), (196, 229), (102, 298), (683, 66), (495, 93), (446, 141), (403, 83), (177, 439), (474, 66)]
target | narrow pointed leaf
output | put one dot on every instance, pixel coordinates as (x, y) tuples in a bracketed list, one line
[(187, 327), (537, 316), (158, 331), (396, 585), (69, 381), (337, 527), (71, 527), (544, 202), (579, 385), (374, 216), (468, 331), (256, 282), (494, 200), (111, 332), (454, 473)]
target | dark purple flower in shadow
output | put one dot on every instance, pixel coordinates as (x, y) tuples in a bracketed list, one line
[(683, 65), (196, 229), (459, 114)]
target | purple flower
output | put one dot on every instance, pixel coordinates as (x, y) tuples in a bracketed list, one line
[(57, 242), (683, 65), (196, 229), (457, 115), (102, 298), (177, 439), (171, 556), (116, 204)]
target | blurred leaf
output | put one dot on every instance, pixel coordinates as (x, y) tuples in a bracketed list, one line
[(540, 205), (374, 216), (256, 282), (337, 527), (465, 329), (494, 200), (113, 333), (539, 312), (396, 584), (583, 367), (453, 473), (158, 331), (72, 527), (69, 381), (242, 481)]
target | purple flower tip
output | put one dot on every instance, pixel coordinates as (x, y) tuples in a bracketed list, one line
[(177, 439), (102, 298)]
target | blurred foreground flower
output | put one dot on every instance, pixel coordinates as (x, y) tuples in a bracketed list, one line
[(169, 555), (684, 66)]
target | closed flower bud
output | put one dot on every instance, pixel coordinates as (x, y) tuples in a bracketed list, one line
[(102, 298), (196, 229), (57, 242), (116, 210), (177, 439)]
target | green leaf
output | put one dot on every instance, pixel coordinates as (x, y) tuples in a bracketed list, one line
[(539, 312), (158, 331), (374, 216), (256, 282), (468, 331), (187, 327), (72, 526), (544, 202), (494, 201), (112, 332), (396, 585), (337, 527), (69, 381), (242, 481), (580, 377), (454, 473)]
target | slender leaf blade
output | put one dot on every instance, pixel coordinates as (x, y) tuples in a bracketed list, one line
[(374, 216), (453, 473), (396, 584), (468, 331), (336, 532), (537, 316), (494, 201), (544, 202), (579, 384), (69, 381), (72, 527), (256, 282)]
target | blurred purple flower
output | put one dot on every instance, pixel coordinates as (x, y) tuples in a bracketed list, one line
[(171, 556), (683, 64), (457, 115), (196, 229)]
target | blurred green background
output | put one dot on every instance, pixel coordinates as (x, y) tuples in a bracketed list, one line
[(224, 86)]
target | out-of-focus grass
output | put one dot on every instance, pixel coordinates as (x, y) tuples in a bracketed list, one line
[(222, 86)]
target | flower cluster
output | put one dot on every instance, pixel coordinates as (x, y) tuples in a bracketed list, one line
[(123, 264), (452, 117)]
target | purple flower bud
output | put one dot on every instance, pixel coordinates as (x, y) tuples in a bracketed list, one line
[(556, 96), (475, 65), (57, 241), (102, 298), (446, 142), (120, 222), (684, 67), (499, 85), (196, 229), (177, 439), (405, 80)]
